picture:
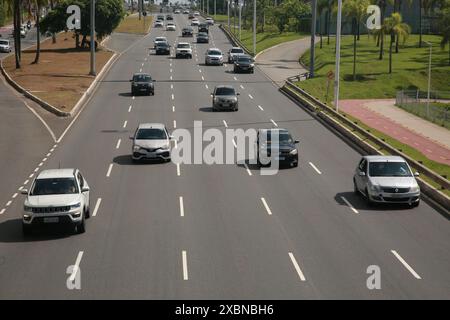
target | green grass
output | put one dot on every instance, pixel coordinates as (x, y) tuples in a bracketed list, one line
[(264, 40), (410, 69)]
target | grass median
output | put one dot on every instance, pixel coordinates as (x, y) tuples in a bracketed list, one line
[(132, 24), (410, 69), (62, 75)]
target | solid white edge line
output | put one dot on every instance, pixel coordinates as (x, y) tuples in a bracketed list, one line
[(109, 169), (297, 267), (406, 265), (349, 205), (118, 143), (181, 207), (315, 168), (185, 269), (42, 120), (76, 266), (269, 212), (97, 205)]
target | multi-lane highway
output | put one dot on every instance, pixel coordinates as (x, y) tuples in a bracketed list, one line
[(202, 231)]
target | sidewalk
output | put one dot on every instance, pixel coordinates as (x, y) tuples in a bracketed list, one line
[(281, 61), (381, 114)]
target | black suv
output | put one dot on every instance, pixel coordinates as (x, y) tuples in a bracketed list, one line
[(169, 17), (284, 150), (142, 82), (244, 63), (162, 48), (202, 37), (187, 32)]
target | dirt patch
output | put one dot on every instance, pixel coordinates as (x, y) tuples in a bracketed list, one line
[(62, 75), (132, 24)]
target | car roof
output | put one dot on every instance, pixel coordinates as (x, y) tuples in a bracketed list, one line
[(151, 126), (140, 74), (215, 49), (183, 43), (236, 48), (56, 173), (384, 158), (244, 56)]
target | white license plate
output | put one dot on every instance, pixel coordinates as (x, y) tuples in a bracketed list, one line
[(51, 220), (279, 158)]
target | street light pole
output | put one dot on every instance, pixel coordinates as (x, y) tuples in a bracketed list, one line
[(338, 55), (254, 27), (92, 72), (429, 80), (240, 14), (228, 13), (313, 38), (215, 9)]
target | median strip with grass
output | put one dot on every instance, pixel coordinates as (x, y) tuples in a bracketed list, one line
[(62, 75), (132, 24)]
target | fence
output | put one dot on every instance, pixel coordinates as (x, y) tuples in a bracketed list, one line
[(415, 102)]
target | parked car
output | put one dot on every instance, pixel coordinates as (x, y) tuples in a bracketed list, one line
[(183, 49), (234, 52), (142, 82), (225, 98), (276, 144), (214, 56), (386, 179), (5, 45), (187, 32), (202, 37), (59, 198), (244, 63), (151, 141)]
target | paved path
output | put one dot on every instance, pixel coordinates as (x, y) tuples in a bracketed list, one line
[(380, 114), (281, 61)]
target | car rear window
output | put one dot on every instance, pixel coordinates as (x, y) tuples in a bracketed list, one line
[(183, 45), (244, 59), (151, 134), (142, 78), (224, 91), (237, 51), (50, 186), (214, 53), (4, 42)]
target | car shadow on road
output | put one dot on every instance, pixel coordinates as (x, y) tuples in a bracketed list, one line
[(206, 109), (125, 94), (126, 160), (11, 231), (359, 203)]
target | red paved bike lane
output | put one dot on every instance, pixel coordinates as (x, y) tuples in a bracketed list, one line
[(429, 148)]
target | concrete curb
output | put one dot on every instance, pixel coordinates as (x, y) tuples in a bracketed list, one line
[(437, 198)]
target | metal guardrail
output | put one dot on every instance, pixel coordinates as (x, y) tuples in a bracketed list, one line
[(315, 105), (304, 75), (235, 40)]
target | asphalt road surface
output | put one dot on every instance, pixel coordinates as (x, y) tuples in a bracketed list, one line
[(240, 235)]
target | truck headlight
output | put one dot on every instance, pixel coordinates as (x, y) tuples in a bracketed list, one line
[(415, 189), (293, 152), (136, 148), (166, 147), (375, 188)]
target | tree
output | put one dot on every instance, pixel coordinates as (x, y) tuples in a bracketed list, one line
[(108, 14), (394, 26), (39, 5), (356, 10), (444, 26)]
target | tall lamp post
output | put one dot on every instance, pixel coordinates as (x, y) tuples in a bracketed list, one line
[(254, 27), (228, 13), (313, 38), (338, 55), (429, 79), (241, 3), (93, 72)]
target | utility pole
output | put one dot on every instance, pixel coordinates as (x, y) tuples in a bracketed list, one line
[(313, 38), (338, 56), (215, 9), (228, 13), (240, 14), (92, 72), (254, 27), (140, 8), (429, 79)]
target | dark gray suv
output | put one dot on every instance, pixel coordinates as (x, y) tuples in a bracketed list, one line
[(225, 98)]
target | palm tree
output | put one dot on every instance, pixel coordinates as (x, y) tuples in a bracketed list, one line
[(39, 5), (394, 26), (444, 27), (398, 8), (322, 6), (426, 5), (356, 10)]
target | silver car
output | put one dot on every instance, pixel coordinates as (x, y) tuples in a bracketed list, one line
[(214, 56), (151, 141), (386, 179), (5, 45), (225, 98), (234, 52)]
